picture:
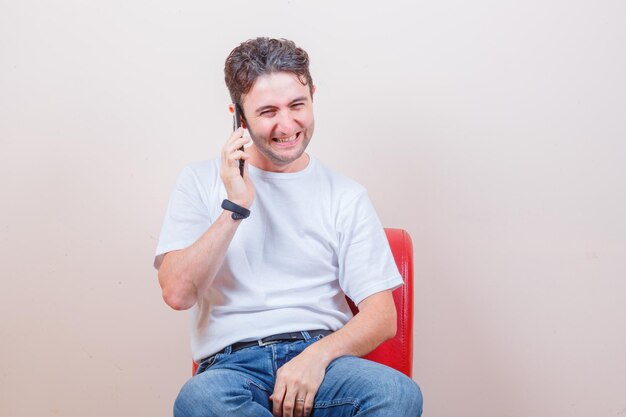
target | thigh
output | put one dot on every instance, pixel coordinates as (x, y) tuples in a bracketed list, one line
[(225, 388), (359, 387)]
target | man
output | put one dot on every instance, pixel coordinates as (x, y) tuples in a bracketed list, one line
[(264, 261)]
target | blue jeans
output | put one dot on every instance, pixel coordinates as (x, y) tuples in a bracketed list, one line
[(239, 385)]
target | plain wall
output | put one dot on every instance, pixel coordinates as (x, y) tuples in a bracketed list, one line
[(493, 131)]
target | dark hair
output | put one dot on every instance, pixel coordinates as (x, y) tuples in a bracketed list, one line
[(256, 57)]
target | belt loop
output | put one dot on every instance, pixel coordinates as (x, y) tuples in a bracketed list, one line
[(228, 350), (306, 335)]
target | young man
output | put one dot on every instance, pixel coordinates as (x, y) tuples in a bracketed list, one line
[(264, 261)]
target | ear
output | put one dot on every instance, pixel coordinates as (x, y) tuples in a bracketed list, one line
[(231, 109)]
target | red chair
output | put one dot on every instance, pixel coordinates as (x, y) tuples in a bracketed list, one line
[(397, 352)]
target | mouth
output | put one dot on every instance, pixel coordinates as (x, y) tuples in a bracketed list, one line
[(288, 140)]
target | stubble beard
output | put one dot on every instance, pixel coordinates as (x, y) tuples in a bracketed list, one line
[(265, 149)]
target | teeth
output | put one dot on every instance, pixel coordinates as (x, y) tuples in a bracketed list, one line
[(289, 139)]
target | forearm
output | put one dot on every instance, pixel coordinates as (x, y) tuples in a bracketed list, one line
[(186, 274), (375, 323)]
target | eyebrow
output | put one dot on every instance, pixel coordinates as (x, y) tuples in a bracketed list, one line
[(269, 107)]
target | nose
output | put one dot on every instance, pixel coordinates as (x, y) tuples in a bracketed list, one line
[(286, 123)]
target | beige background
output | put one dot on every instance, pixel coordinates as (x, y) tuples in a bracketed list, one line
[(492, 130)]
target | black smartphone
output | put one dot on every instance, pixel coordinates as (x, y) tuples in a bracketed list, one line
[(237, 125)]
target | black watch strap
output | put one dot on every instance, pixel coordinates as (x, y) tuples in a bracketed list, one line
[(238, 211)]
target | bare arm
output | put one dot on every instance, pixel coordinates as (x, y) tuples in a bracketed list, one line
[(302, 376), (375, 323), (186, 274)]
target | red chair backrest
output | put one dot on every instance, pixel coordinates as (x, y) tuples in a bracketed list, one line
[(397, 352)]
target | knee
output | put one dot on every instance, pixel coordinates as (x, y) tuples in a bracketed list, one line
[(218, 394), (188, 401), (193, 401), (403, 395), (409, 396)]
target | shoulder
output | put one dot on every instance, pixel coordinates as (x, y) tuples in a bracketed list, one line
[(204, 168), (339, 182), (200, 173)]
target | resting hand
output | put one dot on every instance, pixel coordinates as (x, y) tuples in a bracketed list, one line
[(297, 383)]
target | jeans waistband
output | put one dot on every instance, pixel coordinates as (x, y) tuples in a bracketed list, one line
[(282, 337)]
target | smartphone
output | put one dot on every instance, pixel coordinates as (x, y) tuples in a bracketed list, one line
[(237, 125)]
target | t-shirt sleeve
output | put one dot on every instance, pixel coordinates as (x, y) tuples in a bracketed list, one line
[(186, 217), (366, 264)]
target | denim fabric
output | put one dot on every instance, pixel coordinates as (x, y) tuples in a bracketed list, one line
[(239, 385)]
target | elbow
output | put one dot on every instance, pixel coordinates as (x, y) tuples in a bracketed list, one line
[(176, 301), (175, 297), (391, 324), (393, 330)]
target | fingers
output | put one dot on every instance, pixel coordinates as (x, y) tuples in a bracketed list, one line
[(307, 405), (291, 403), (237, 133), (300, 406), (236, 156), (295, 405), (239, 190), (233, 151), (296, 385), (277, 398), (234, 144), (237, 139)]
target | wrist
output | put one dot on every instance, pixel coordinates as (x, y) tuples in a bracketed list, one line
[(322, 352), (238, 212), (242, 202)]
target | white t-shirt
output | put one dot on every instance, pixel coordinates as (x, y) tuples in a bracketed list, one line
[(312, 236)]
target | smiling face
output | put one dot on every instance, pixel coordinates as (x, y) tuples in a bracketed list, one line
[(279, 116)]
